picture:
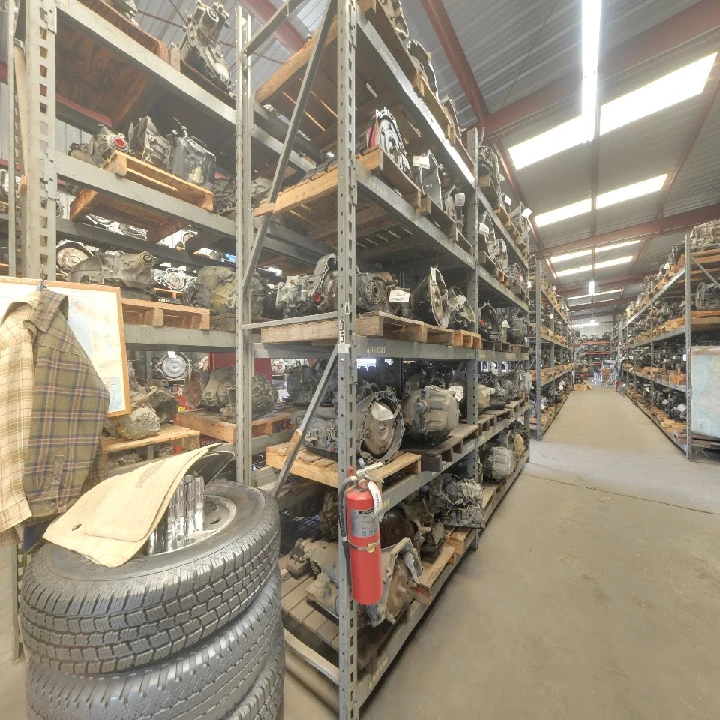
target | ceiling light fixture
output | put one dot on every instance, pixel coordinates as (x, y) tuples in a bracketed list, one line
[(617, 246), (662, 93), (630, 192), (598, 266), (597, 294), (591, 25), (568, 211), (570, 256), (666, 91)]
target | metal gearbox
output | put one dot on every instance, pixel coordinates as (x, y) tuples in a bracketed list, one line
[(430, 413), (220, 393), (462, 315), (430, 299), (100, 146), (148, 145), (131, 273), (707, 297), (384, 131), (200, 47), (458, 501)]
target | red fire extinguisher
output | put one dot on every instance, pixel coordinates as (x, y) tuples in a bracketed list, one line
[(362, 502)]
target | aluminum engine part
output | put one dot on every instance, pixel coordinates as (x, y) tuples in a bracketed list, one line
[(522, 223), (429, 300), (216, 288), (462, 315), (264, 396), (515, 275), (172, 366), (421, 59), (131, 273), (100, 146), (499, 462), (379, 425), (200, 47), (126, 8), (329, 515), (148, 145), (426, 174), (413, 519), (384, 131), (496, 248), (172, 278), (394, 10), (302, 380), (705, 236), (489, 168), (140, 423), (517, 326), (225, 198), (430, 413), (191, 160), (707, 297), (458, 500), (219, 393), (69, 254)]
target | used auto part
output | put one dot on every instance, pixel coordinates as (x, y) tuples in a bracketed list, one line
[(430, 301), (421, 59), (707, 296), (100, 146), (489, 322), (430, 413), (413, 519), (426, 174), (264, 396), (69, 254), (172, 366), (191, 160), (384, 131), (461, 313), (302, 380), (458, 501), (200, 46), (131, 273), (173, 279), (148, 145), (394, 10)]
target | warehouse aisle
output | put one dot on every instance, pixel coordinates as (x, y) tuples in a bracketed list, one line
[(594, 592)]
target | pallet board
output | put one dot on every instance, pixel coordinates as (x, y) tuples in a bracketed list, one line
[(215, 426), (436, 457), (161, 314), (325, 471), (183, 438), (157, 224)]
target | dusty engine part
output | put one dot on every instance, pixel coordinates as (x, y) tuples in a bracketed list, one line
[(172, 278), (413, 519), (131, 273), (317, 293), (200, 47), (100, 146), (499, 462), (126, 8), (484, 393), (499, 397), (302, 380), (429, 300), (461, 313), (191, 160), (225, 196), (172, 366), (163, 403), (458, 501), (707, 297), (496, 248), (117, 460), (430, 413), (426, 174), (384, 131), (489, 172), (379, 424), (264, 396), (219, 392), (448, 105), (515, 275), (515, 323), (394, 10), (421, 59), (395, 526), (140, 423), (489, 323), (148, 145), (401, 573), (329, 515), (705, 236), (215, 288), (521, 220), (69, 254)]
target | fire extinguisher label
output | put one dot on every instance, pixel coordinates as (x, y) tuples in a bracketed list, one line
[(363, 523)]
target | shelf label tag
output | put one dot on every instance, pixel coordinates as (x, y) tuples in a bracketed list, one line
[(399, 296)]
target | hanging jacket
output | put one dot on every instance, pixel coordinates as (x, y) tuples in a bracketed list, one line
[(63, 457)]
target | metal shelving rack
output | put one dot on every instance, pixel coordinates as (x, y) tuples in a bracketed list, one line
[(685, 277), (547, 338), (355, 36)]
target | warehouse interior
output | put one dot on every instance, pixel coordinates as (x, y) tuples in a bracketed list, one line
[(292, 294)]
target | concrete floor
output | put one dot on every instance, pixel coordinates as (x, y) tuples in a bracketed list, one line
[(594, 593)]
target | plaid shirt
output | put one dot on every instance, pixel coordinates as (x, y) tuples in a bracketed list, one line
[(69, 404), (16, 385)]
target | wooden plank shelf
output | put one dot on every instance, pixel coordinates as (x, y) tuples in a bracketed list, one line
[(465, 338), (434, 458), (157, 223), (215, 426), (376, 324), (180, 437), (163, 314), (324, 470)]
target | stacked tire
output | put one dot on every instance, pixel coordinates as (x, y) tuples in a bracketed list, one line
[(195, 633)]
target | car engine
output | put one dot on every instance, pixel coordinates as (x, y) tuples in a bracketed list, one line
[(430, 413), (131, 273), (200, 47)]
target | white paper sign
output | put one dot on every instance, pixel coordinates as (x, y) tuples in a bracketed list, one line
[(399, 296), (458, 391), (421, 161)]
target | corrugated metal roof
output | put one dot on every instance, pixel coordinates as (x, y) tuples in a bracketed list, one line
[(627, 214), (656, 251), (576, 228)]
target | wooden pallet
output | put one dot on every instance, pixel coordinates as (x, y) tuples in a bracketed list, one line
[(157, 224), (181, 438), (376, 324), (160, 314), (324, 470), (214, 426), (435, 458), (465, 338)]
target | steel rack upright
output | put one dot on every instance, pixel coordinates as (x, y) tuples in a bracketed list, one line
[(350, 29)]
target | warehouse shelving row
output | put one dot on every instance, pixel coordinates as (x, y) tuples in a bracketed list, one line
[(357, 39), (549, 336), (700, 429)]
